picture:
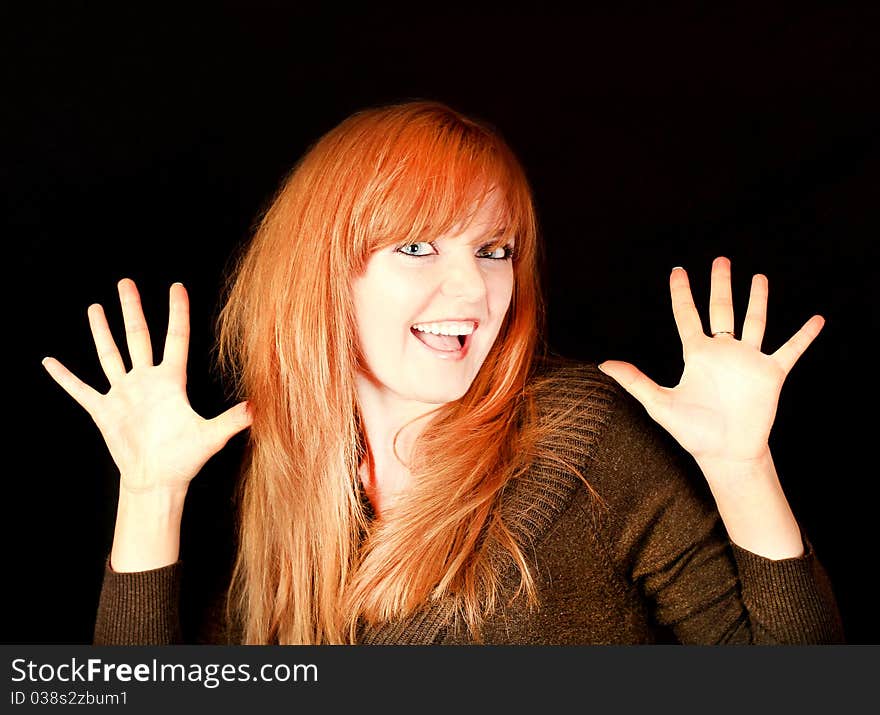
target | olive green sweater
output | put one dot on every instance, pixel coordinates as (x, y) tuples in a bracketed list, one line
[(655, 566)]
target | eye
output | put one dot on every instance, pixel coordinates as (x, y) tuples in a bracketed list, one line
[(405, 252), (507, 251)]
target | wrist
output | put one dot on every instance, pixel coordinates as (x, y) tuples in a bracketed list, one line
[(753, 507), (721, 470), (147, 532), (157, 501)]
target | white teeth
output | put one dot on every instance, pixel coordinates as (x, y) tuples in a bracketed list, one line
[(445, 328)]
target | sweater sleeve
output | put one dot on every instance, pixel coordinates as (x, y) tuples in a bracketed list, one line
[(144, 608), (667, 540), (139, 608)]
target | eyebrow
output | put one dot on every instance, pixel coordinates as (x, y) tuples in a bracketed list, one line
[(485, 238), (489, 237)]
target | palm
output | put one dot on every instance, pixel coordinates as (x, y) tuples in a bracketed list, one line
[(151, 429), (724, 405)]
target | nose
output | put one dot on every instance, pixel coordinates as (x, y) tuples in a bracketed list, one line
[(464, 281)]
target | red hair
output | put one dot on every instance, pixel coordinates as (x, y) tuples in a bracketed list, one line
[(309, 564)]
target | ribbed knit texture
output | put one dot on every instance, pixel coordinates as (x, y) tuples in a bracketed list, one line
[(139, 608), (656, 565)]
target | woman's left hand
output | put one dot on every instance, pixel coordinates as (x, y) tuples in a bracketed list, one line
[(723, 407)]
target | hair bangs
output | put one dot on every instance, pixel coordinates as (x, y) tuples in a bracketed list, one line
[(433, 180)]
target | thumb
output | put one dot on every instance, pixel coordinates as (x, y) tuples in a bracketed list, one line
[(229, 423), (652, 397)]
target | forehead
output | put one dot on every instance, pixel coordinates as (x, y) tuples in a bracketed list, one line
[(487, 217), (484, 215)]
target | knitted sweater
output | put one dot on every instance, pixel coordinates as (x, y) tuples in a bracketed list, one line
[(656, 566)]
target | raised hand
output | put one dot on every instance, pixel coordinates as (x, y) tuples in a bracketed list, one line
[(723, 407), (156, 439)]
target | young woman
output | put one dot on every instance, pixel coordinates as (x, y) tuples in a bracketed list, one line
[(420, 468)]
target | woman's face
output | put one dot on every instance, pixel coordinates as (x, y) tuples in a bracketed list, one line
[(451, 278)]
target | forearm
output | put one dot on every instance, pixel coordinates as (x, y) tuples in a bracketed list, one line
[(754, 508), (147, 533)]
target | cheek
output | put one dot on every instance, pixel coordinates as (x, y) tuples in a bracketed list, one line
[(380, 292), (500, 290), (383, 310)]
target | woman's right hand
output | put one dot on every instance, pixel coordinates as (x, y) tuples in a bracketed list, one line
[(156, 439)]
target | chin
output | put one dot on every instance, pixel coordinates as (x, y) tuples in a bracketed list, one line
[(441, 395)]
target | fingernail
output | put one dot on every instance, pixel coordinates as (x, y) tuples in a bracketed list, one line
[(177, 283), (674, 267), (602, 368)]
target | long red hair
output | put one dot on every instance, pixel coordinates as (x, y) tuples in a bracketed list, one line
[(309, 563)]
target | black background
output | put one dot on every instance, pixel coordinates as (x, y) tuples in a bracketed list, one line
[(142, 142)]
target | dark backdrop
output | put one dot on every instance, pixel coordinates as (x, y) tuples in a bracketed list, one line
[(142, 142)]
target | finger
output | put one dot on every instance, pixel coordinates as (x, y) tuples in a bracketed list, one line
[(108, 353), (136, 332), (789, 353), (653, 397), (177, 340), (86, 396), (720, 297), (756, 314), (687, 319), (229, 423)]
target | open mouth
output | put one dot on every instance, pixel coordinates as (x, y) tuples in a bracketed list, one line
[(449, 344)]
